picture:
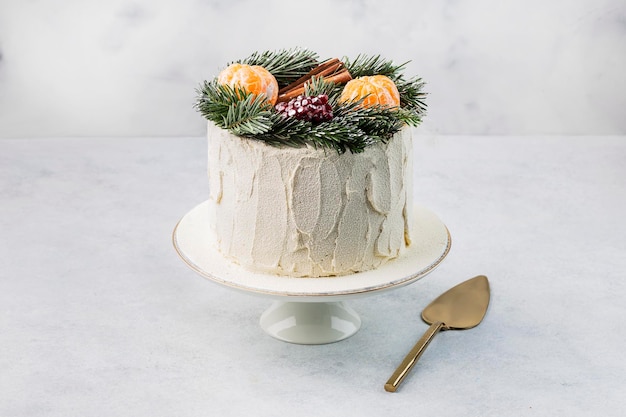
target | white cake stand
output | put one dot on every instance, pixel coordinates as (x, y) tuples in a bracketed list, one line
[(311, 310)]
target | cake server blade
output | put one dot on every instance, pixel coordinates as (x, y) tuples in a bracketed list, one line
[(461, 307)]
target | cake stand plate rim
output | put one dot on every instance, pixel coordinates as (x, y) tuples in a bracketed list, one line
[(422, 257)]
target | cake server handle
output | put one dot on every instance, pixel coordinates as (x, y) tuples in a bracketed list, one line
[(412, 357)]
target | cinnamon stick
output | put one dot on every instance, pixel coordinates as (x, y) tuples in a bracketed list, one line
[(342, 76), (315, 71)]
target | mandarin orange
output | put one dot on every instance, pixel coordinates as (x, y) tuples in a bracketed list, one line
[(253, 78), (375, 89)]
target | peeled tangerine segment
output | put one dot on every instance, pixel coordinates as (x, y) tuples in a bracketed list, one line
[(377, 90), (253, 78)]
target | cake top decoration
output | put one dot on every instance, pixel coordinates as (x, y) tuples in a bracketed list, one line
[(291, 98)]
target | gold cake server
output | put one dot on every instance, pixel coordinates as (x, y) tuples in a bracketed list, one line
[(461, 307)]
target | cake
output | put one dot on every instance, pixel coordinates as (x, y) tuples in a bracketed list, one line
[(319, 184)]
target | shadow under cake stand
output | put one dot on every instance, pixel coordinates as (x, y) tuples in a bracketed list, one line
[(311, 310)]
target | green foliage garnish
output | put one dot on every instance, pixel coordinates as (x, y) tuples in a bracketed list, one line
[(286, 65), (352, 128)]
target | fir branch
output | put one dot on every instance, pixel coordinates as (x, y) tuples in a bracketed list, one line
[(340, 135), (249, 116), (364, 65), (336, 134), (408, 117), (286, 131), (234, 109), (287, 65), (411, 95), (213, 101), (378, 122)]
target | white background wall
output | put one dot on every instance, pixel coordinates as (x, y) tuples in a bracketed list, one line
[(100, 68)]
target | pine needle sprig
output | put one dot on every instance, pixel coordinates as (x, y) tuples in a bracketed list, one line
[(287, 65), (234, 109), (408, 117), (213, 100), (341, 136), (412, 97), (250, 116), (364, 65), (377, 122), (286, 132)]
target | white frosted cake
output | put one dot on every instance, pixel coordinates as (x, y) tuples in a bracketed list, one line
[(308, 212), (310, 162)]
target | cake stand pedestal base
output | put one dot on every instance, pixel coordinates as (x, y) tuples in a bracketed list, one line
[(310, 323)]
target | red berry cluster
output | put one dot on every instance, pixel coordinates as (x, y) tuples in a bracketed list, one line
[(312, 108)]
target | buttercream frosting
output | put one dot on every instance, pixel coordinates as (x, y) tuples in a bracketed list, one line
[(309, 212)]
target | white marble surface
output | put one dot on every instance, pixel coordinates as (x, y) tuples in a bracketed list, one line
[(124, 68), (98, 316)]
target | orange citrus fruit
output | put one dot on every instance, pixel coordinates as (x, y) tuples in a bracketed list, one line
[(253, 78), (377, 89)]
